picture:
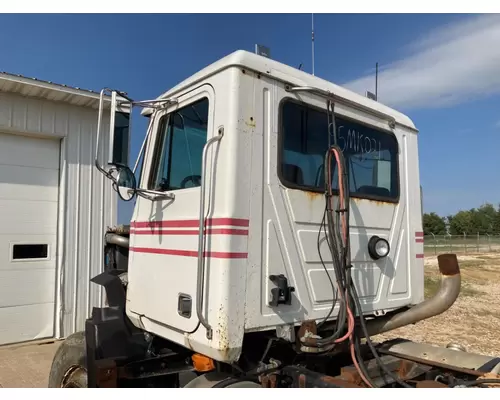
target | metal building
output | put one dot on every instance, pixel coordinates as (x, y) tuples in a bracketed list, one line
[(54, 208)]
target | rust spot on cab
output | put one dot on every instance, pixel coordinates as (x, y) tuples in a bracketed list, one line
[(313, 195), (187, 342), (371, 201), (251, 122)]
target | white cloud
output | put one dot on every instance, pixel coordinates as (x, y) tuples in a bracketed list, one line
[(454, 64)]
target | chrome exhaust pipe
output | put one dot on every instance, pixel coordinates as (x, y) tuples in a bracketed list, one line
[(113, 238), (445, 297)]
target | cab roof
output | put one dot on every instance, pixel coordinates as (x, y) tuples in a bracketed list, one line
[(290, 75)]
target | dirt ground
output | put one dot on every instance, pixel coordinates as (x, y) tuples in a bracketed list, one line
[(26, 365), (474, 319)]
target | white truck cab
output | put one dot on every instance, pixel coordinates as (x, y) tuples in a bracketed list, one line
[(239, 147), (277, 223), (277, 220)]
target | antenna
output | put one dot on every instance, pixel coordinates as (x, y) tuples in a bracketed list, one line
[(370, 95), (312, 41), (262, 51)]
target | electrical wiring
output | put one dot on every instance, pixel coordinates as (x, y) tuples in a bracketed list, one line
[(370, 343), (337, 237), (318, 243), (342, 221), (351, 289), (333, 245), (338, 244)]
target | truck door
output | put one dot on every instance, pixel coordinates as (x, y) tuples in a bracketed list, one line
[(164, 233)]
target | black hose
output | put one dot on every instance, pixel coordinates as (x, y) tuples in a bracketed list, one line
[(338, 246), (342, 266), (338, 265), (362, 366), (370, 343), (346, 284), (334, 300), (349, 284)]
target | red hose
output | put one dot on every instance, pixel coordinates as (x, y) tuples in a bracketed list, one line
[(356, 365), (350, 325), (350, 315)]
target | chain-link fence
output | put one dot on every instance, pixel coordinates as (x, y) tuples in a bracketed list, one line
[(461, 244)]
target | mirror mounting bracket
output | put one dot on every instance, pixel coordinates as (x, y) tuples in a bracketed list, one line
[(155, 195), (121, 106)]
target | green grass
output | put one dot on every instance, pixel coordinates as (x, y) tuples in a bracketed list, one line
[(459, 244), (431, 286), (486, 258), (471, 263)]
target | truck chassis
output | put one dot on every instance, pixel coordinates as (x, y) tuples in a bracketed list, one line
[(113, 353)]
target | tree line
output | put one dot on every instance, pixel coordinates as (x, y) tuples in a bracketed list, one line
[(484, 220)]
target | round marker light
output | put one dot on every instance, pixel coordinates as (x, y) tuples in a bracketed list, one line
[(378, 247)]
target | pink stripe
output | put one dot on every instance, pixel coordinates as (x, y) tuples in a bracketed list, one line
[(419, 240), (221, 231), (188, 253), (190, 223), (419, 234), (420, 256)]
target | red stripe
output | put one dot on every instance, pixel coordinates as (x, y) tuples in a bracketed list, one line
[(190, 223), (220, 231), (419, 240), (187, 253), (419, 234), (420, 256)]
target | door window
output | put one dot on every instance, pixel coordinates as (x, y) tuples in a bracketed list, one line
[(181, 138)]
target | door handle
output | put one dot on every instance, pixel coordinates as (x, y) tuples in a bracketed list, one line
[(201, 246)]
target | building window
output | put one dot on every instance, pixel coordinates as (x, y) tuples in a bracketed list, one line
[(371, 155), (182, 136), (30, 251)]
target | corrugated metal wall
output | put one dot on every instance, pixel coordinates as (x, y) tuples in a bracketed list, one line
[(87, 202)]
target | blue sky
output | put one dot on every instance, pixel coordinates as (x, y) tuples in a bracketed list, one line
[(442, 70)]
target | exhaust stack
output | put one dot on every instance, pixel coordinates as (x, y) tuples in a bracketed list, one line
[(445, 297), (113, 238)]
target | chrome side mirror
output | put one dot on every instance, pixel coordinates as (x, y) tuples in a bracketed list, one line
[(126, 184)]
